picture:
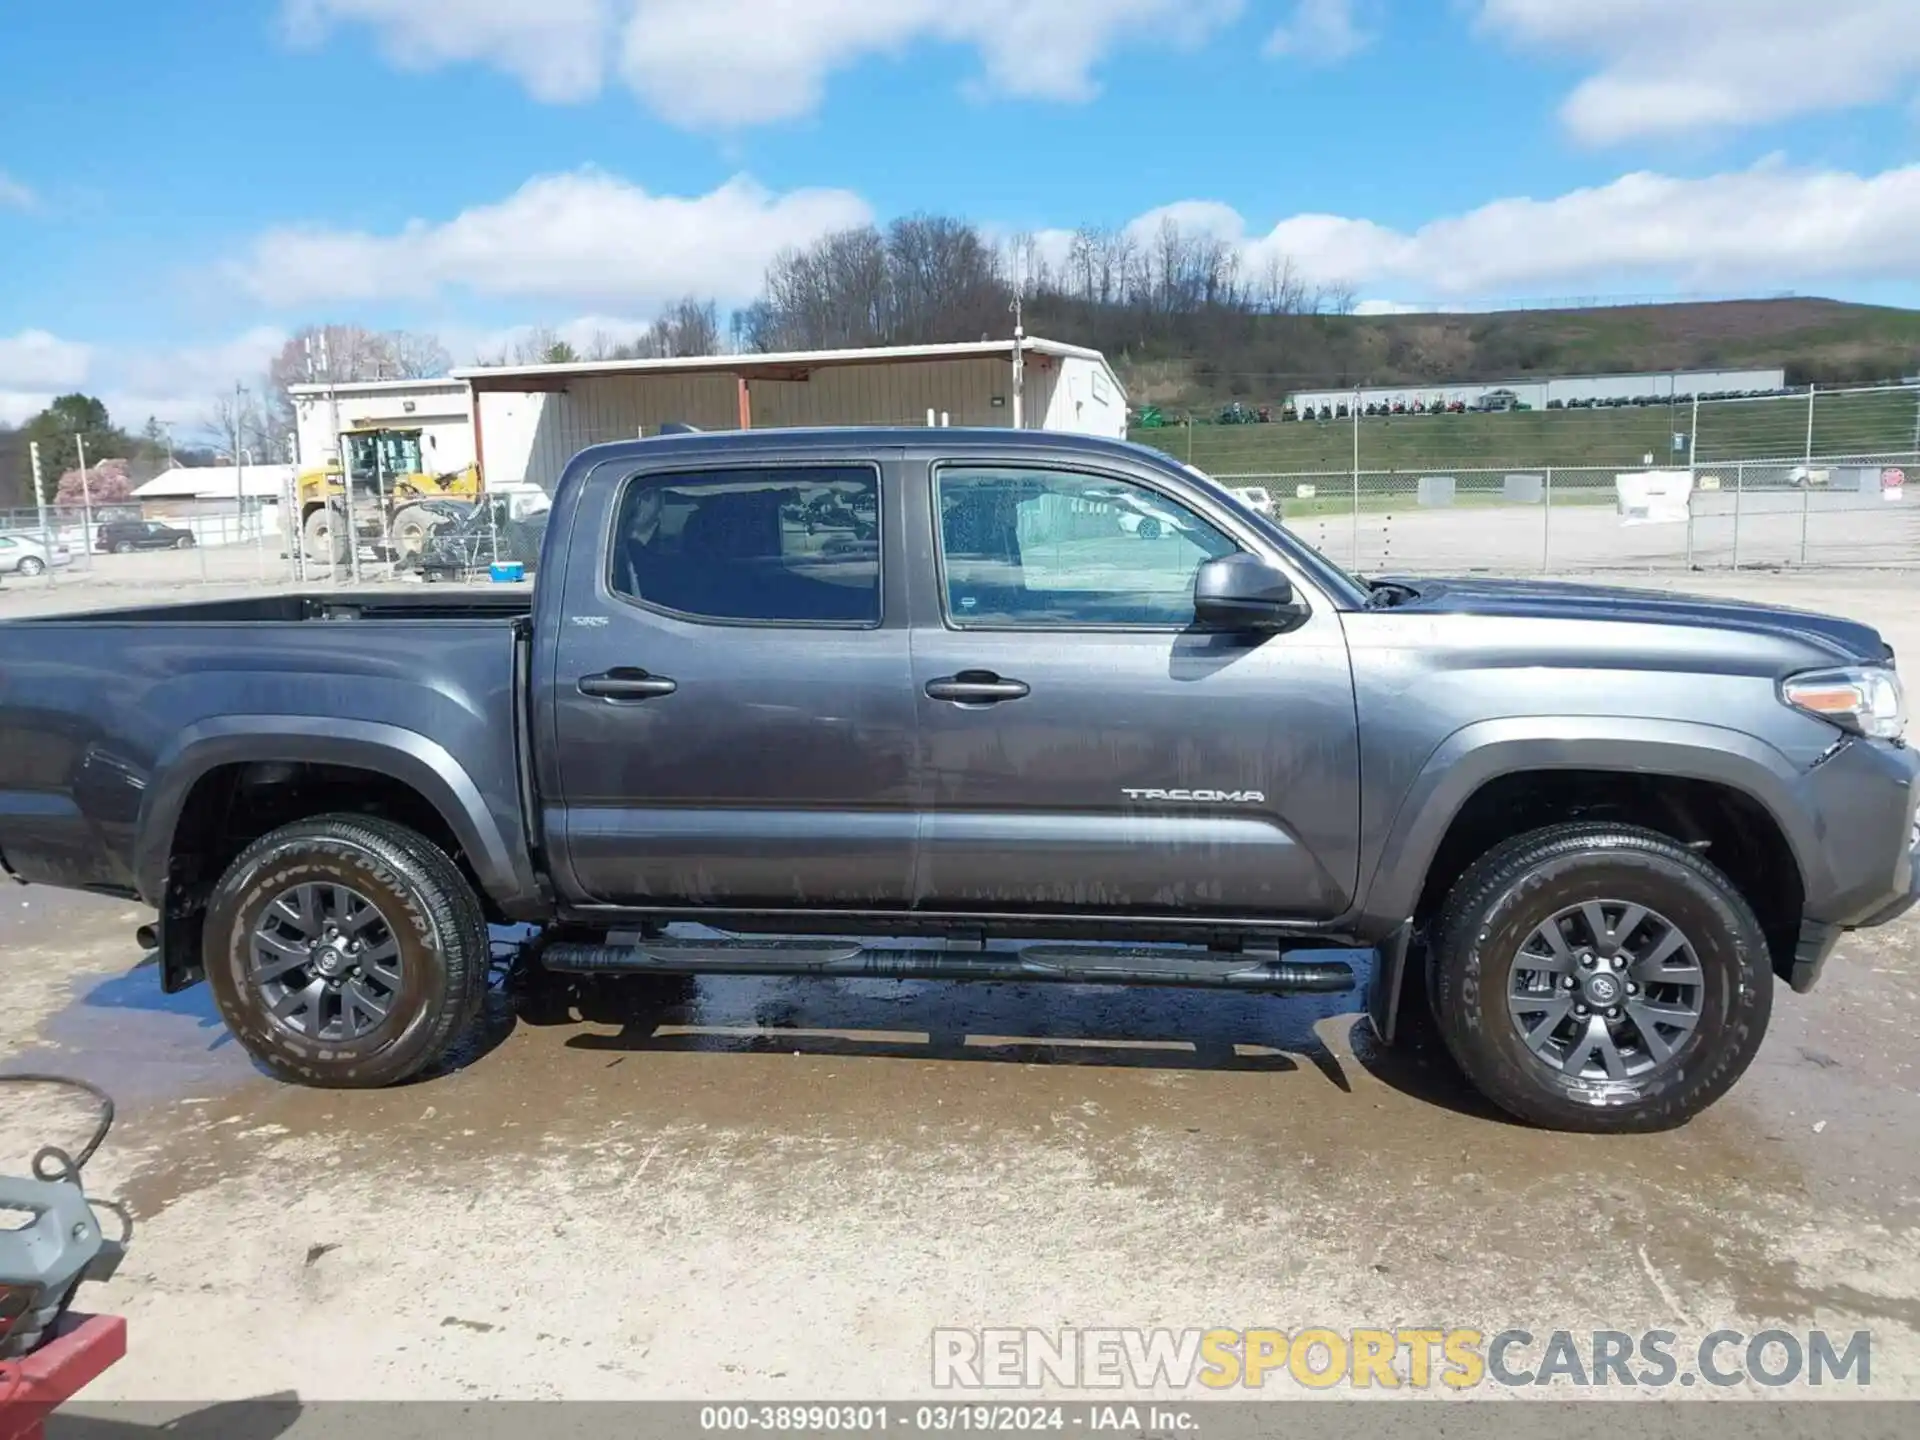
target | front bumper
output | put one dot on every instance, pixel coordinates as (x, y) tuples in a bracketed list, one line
[(1868, 798)]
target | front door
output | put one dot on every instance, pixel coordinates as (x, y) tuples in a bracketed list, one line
[(1083, 746), (733, 713)]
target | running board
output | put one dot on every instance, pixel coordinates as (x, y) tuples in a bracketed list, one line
[(1265, 974)]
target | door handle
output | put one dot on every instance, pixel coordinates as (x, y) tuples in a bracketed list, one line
[(626, 684), (976, 687)]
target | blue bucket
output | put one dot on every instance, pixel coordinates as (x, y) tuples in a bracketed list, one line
[(508, 572)]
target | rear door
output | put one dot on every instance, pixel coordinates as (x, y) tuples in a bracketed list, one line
[(732, 703), (1082, 745)]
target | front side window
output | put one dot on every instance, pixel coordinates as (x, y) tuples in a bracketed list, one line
[(1060, 549), (797, 545)]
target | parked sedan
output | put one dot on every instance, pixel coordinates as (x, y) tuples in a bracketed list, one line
[(26, 556), (123, 537)]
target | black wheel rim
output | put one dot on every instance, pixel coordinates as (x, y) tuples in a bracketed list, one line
[(1606, 990), (325, 962)]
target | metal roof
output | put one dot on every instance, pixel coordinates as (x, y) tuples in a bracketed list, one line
[(783, 365), (214, 482)]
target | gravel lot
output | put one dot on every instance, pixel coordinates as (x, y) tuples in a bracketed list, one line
[(769, 1188)]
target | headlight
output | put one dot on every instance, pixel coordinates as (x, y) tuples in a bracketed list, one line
[(1865, 699)]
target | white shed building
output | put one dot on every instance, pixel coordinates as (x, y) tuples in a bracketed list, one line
[(532, 419), (525, 422), (442, 409)]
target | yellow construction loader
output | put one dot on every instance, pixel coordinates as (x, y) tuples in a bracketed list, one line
[(394, 494)]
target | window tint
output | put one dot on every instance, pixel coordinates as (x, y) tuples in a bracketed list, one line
[(1049, 548), (791, 546)]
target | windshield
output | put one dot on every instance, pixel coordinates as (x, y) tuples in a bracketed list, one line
[(1335, 581)]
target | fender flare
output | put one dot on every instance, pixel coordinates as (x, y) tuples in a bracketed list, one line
[(403, 755), (1475, 754)]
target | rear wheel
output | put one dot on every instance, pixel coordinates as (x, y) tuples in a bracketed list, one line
[(1600, 978), (1149, 529), (31, 565), (346, 952), (123, 547)]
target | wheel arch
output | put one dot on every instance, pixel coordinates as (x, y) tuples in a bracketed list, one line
[(419, 765), (1479, 755), (1689, 781)]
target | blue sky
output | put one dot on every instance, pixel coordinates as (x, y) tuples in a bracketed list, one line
[(184, 183)]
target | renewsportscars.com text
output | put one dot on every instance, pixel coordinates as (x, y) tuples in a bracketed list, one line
[(1403, 1357)]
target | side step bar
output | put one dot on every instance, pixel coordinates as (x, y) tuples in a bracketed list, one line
[(1266, 974)]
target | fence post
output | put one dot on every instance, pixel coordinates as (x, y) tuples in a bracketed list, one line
[(1806, 488), (1355, 412), (1739, 490), (40, 500), (1693, 471), (1546, 528)]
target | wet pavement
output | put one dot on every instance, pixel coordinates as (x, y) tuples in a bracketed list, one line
[(778, 1187), (769, 1187)]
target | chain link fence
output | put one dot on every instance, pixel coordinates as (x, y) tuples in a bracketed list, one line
[(1814, 479), (1818, 479)]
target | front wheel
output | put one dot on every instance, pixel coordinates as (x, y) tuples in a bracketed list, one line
[(1600, 978), (346, 952), (185, 542)]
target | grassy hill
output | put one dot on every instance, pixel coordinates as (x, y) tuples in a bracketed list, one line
[(1869, 423), (1260, 359), (1825, 342)]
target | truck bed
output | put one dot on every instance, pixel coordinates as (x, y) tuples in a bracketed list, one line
[(434, 603), (120, 726)]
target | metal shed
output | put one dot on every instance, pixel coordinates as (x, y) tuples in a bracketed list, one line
[(529, 420)]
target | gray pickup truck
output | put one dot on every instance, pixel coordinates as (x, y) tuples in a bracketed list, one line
[(980, 705)]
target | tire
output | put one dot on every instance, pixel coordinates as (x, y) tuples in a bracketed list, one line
[(410, 529), (124, 547), (427, 917), (1497, 917), (323, 537), (1149, 529), (185, 542), (30, 566)]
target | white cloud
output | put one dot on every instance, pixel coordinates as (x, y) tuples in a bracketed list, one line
[(555, 48), (176, 383), (1669, 67), (721, 63), (1324, 31), (180, 383), (37, 360), (16, 196), (1770, 226), (584, 236)]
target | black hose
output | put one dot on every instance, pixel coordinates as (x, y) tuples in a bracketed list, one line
[(51, 1163)]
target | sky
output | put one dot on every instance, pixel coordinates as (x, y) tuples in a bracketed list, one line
[(185, 183)]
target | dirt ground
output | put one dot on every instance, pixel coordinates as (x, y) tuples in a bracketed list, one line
[(767, 1188)]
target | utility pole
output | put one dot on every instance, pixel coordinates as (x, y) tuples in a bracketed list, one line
[(40, 500), (1019, 363), (346, 461), (86, 497), (239, 466)]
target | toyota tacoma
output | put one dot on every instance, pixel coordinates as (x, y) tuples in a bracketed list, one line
[(932, 704)]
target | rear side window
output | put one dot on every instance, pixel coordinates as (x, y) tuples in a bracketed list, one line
[(797, 546)]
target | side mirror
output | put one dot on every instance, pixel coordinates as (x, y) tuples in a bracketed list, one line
[(1244, 593)]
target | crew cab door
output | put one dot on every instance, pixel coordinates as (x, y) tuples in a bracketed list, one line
[(731, 702), (1082, 745)]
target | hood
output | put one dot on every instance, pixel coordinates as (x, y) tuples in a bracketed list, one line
[(1847, 640)]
